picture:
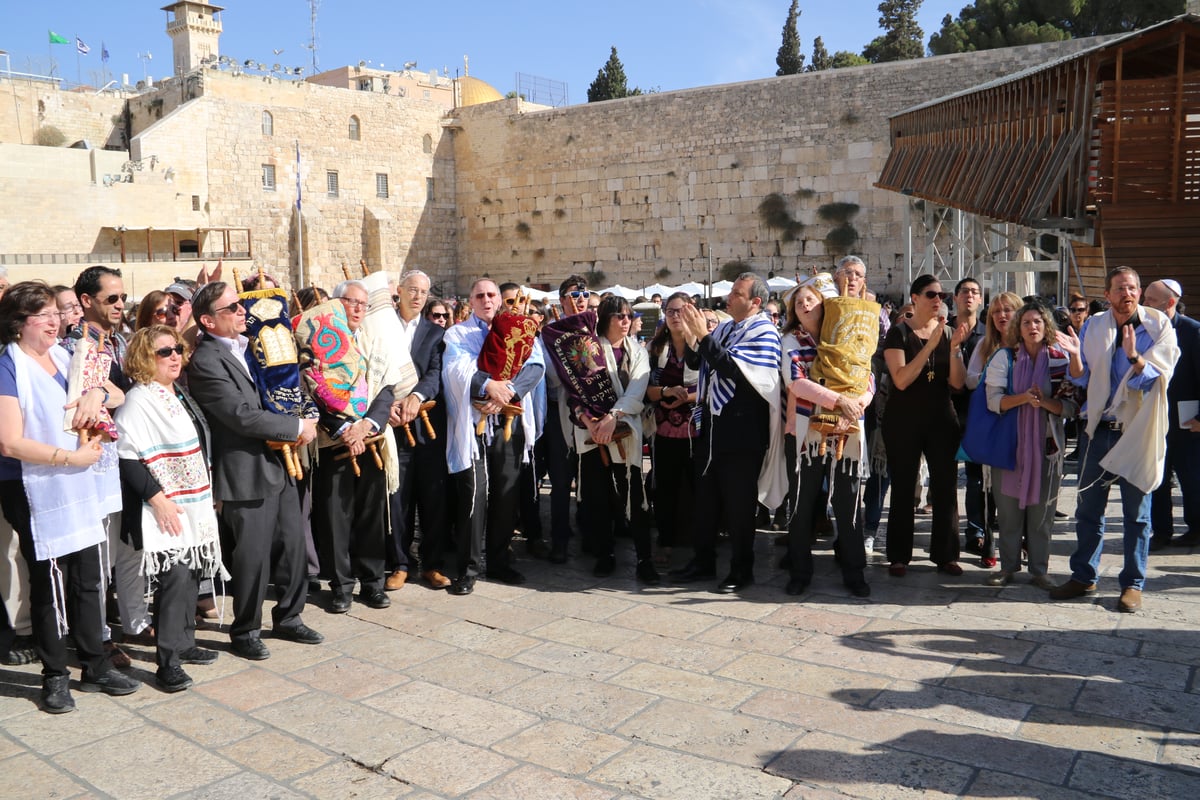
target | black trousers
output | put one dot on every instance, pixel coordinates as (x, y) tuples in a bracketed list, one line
[(809, 496), (487, 503), (607, 491), (560, 466), (726, 497), (81, 584), (422, 489), (175, 613), (264, 536), (906, 441), (674, 489), (349, 521)]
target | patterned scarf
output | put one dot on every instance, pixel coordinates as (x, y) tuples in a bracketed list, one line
[(1025, 482)]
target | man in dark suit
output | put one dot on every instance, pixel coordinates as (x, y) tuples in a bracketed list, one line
[(259, 506), (1183, 441), (423, 464), (739, 451)]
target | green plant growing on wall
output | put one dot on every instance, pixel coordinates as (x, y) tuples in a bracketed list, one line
[(774, 214), (559, 213), (539, 253), (523, 229), (49, 136), (844, 235), (803, 194), (731, 269), (595, 277), (662, 274)]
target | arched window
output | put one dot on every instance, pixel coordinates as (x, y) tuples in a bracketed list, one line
[(427, 144), (354, 128), (268, 124)]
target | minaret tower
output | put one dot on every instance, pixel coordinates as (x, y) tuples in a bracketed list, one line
[(195, 28)]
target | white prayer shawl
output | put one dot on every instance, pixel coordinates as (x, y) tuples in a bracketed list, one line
[(630, 403), (388, 363), (755, 346), (464, 342), (1139, 454), (64, 505), (157, 430)]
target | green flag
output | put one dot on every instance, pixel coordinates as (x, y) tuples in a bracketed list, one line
[(56, 39)]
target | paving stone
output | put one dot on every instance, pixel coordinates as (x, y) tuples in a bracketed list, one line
[(38, 780), (349, 677), (1015, 682), (1076, 731), (1102, 665), (1179, 710), (583, 702), (874, 771), (447, 766), (468, 635), (594, 606), (753, 637), (684, 685), (454, 713), (585, 633), (347, 780), (578, 661), (671, 622), (1002, 786), (1123, 777), (394, 649), (945, 644), (669, 652), (472, 673), (784, 673), (561, 746), (201, 720), (276, 755), (724, 735), (670, 775), (250, 689), (1102, 642), (240, 787), (166, 764), (848, 653), (504, 615), (954, 706), (816, 620), (532, 783), (46, 734)]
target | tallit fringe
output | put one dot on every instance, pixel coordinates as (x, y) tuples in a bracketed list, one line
[(59, 598), (205, 558)]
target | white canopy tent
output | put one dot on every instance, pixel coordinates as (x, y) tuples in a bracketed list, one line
[(780, 283), (624, 291), (722, 288)]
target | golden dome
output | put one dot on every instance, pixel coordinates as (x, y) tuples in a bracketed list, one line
[(472, 92)]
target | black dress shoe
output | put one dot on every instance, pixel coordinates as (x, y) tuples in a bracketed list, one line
[(796, 586), (605, 566), (197, 655), (734, 583), (462, 586), (1190, 539), (339, 603), (693, 572), (374, 598), (114, 682), (506, 575), (172, 679), (858, 586), (558, 554), (647, 573), (56, 695), (250, 649), (300, 633)]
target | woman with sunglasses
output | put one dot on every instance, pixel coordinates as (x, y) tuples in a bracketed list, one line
[(1000, 313), (44, 468), (166, 492), (156, 308), (925, 364), (672, 390), (611, 487), (437, 312)]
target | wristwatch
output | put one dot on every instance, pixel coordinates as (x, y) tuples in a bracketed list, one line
[(1134, 358)]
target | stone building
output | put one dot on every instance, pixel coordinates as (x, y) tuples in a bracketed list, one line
[(777, 173)]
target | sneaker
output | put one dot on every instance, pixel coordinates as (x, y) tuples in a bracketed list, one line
[(172, 679), (20, 652), (197, 655), (56, 694), (114, 683)]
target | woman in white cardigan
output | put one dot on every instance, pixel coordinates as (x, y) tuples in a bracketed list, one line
[(610, 475)]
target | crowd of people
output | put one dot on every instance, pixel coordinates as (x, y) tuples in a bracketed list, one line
[(422, 429)]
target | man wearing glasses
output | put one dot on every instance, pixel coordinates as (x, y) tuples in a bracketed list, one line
[(423, 463), (485, 467), (561, 461), (260, 507)]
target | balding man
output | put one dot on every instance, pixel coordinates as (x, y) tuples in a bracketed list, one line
[(1183, 438)]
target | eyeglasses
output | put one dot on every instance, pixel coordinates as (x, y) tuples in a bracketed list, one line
[(45, 315), (70, 308), (165, 352), (1078, 309), (161, 313), (930, 294), (416, 291), (484, 295), (774, 314), (232, 308), (674, 312), (111, 299), (969, 290), (622, 316), (439, 315), (711, 324), (850, 273), (348, 303), (578, 293)]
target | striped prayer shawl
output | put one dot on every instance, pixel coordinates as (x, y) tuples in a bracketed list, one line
[(754, 344)]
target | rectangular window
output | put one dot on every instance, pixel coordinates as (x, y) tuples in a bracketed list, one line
[(381, 184), (429, 189), (331, 183), (195, 202), (364, 84), (268, 177)]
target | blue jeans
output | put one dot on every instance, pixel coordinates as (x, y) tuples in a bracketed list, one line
[(1094, 483)]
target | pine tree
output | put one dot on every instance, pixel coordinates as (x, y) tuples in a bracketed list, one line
[(790, 59), (902, 37), (610, 81), (820, 57)]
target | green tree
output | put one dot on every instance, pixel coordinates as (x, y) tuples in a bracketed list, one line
[(610, 81), (902, 37), (844, 58), (789, 58), (820, 57)]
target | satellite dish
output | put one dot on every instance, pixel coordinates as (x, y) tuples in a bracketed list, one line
[(297, 70), (248, 63), (275, 68), (410, 64)]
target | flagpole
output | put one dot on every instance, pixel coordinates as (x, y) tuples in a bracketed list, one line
[(299, 223)]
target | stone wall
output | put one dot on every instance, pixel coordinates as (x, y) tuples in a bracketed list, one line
[(646, 188), (28, 105)]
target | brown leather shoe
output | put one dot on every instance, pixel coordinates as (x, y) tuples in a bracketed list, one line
[(435, 579), (1131, 600), (116, 656), (396, 580), (1071, 589)]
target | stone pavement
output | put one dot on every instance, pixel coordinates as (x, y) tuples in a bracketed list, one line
[(575, 687)]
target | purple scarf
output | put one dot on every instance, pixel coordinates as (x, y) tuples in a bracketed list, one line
[(1025, 482)]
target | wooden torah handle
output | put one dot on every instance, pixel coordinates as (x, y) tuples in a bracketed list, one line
[(509, 411), (372, 444), (290, 460), (423, 413), (621, 432)]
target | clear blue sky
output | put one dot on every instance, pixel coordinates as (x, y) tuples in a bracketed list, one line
[(664, 44)]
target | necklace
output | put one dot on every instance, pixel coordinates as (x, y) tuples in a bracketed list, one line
[(930, 373)]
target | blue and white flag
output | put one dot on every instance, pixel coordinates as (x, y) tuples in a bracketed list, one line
[(103, 51), (82, 48)]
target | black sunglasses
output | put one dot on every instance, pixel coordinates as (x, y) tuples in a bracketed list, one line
[(111, 299), (439, 315), (232, 308), (161, 313), (165, 352), (931, 294), (1078, 309)]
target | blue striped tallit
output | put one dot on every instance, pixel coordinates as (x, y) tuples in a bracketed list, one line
[(754, 343)]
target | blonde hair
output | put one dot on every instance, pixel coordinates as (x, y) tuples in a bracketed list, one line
[(993, 340), (140, 363)]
